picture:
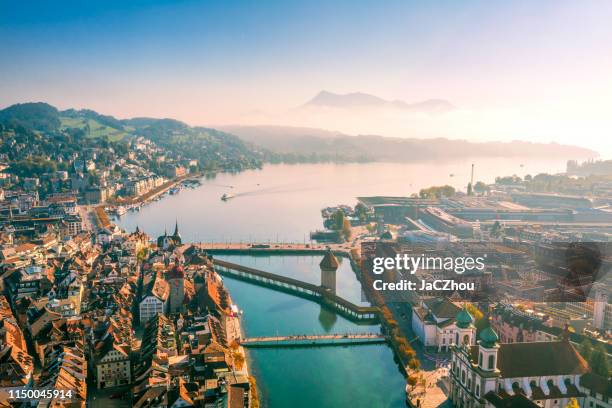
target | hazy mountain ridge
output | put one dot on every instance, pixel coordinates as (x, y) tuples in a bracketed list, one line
[(309, 141), (249, 146), (364, 100)]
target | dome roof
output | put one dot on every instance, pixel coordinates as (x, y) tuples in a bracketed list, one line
[(488, 337), (464, 318)]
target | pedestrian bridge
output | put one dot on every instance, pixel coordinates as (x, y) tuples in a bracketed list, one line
[(314, 340), (365, 314)]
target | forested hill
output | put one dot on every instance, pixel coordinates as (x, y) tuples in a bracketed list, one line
[(39, 130)]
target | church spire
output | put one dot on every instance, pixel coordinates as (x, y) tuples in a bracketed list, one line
[(176, 230)]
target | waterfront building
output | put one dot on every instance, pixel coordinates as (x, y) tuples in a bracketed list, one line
[(440, 323), (394, 210), (537, 374), (547, 200)]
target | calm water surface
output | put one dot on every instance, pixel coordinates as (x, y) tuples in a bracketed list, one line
[(352, 376), (282, 203)]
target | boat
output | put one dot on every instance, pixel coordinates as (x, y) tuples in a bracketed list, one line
[(174, 190), (226, 196), (120, 210)]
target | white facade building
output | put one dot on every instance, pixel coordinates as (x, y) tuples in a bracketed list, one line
[(537, 374), (440, 323)]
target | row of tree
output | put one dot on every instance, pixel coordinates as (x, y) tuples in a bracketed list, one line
[(597, 357)]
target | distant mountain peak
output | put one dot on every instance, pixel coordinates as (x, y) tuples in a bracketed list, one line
[(359, 99)]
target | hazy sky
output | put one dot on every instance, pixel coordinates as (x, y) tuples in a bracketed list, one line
[(526, 70)]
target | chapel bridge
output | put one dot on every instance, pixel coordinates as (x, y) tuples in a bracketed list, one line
[(320, 294), (314, 340)]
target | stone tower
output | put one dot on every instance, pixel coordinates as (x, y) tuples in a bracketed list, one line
[(176, 280), (329, 265)]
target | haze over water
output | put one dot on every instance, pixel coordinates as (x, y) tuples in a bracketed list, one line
[(283, 202)]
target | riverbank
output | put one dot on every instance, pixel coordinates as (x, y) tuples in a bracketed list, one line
[(153, 193), (235, 334)]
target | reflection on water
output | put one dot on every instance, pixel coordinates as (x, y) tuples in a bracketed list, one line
[(327, 318), (305, 268)]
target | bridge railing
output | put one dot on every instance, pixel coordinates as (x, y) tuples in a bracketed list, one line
[(371, 312)]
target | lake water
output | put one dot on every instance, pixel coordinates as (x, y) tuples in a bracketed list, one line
[(283, 203)]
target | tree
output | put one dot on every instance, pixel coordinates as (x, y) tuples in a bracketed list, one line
[(223, 297), (599, 361), (437, 192), (480, 187), (338, 218), (414, 364), (346, 229), (474, 311), (572, 403), (238, 360), (412, 380), (586, 349), (361, 212)]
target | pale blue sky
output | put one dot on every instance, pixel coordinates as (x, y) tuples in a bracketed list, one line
[(212, 62)]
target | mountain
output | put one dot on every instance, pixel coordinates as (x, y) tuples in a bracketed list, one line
[(363, 100), (309, 144)]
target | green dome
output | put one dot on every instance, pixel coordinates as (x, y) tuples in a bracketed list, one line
[(488, 337), (464, 318)]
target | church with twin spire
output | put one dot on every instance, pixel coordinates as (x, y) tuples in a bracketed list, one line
[(168, 242)]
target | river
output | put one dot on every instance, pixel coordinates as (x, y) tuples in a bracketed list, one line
[(282, 203)]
